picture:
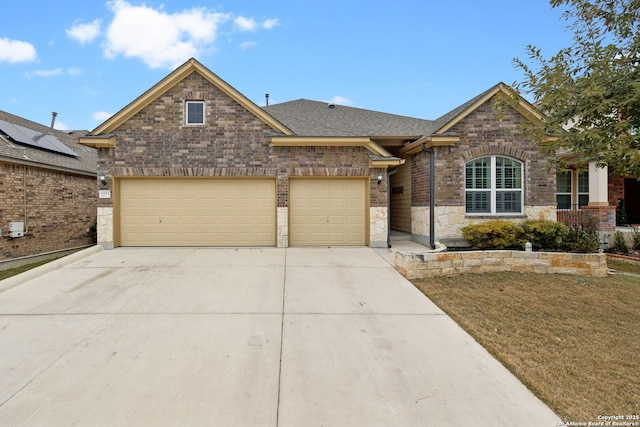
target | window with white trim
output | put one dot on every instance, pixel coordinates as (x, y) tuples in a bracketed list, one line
[(194, 112), (493, 186)]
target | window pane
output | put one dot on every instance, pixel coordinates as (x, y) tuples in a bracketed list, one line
[(563, 182), (478, 202), (583, 182), (583, 200), (477, 173), (508, 173), (508, 202), (195, 112), (563, 201)]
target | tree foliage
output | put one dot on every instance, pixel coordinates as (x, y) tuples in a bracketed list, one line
[(590, 92)]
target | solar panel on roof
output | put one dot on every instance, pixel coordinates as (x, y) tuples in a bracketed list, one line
[(44, 141)]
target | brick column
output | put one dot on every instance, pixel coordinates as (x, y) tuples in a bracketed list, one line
[(606, 216)]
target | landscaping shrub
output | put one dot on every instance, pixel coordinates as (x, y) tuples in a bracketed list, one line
[(496, 234), (583, 236), (544, 234), (635, 238), (619, 243)]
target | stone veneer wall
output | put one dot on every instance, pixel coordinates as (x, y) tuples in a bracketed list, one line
[(378, 227), (449, 221), (422, 265)]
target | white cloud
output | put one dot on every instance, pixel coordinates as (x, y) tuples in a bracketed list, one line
[(250, 24), (270, 23), (247, 45), (85, 33), (60, 125), (15, 51), (341, 100), (158, 38), (100, 116), (54, 72), (245, 24)]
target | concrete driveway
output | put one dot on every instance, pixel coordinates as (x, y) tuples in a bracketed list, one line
[(243, 337)]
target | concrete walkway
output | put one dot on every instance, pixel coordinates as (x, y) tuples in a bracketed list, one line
[(243, 337)]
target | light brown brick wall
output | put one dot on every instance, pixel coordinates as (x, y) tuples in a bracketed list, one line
[(60, 210), (233, 142), (484, 133)]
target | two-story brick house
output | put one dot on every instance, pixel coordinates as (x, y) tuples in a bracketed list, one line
[(193, 162)]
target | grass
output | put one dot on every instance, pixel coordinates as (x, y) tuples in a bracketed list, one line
[(4, 274), (574, 341)]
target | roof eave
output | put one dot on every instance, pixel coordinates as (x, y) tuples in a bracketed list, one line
[(429, 141), (98, 141), (329, 141)]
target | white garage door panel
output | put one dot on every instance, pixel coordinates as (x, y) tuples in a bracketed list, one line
[(327, 212), (197, 212)]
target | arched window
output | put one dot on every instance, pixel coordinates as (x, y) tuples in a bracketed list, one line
[(493, 186)]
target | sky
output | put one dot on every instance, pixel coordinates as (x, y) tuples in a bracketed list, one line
[(87, 59)]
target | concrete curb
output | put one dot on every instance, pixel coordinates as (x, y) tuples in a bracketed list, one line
[(57, 264)]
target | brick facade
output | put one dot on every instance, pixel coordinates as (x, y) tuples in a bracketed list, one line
[(485, 133), (58, 209), (233, 142), (482, 133)]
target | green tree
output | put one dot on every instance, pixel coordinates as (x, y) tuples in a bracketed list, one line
[(590, 92)]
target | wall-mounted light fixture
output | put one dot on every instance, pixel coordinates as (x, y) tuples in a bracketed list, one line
[(379, 179), (102, 178)]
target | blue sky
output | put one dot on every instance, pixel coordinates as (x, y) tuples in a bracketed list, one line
[(87, 59)]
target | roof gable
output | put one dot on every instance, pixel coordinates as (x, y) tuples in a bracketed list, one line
[(179, 74), (449, 120)]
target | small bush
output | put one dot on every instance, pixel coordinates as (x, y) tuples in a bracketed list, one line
[(583, 237), (497, 234), (635, 238), (544, 234), (619, 243)]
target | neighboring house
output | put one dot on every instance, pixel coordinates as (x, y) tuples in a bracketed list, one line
[(193, 162), (47, 190)]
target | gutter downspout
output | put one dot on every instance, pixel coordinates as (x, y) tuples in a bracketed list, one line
[(432, 193), (389, 173)]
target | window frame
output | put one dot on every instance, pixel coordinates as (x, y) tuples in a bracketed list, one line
[(582, 189), (187, 104), (578, 190), (565, 193), (492, 190)]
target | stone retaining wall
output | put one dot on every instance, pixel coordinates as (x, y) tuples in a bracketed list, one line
[(414, 265)]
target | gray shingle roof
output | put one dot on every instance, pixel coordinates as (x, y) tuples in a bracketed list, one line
[(314, 118), (85, 163)]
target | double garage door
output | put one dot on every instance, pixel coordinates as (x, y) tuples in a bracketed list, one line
[(239, 212)]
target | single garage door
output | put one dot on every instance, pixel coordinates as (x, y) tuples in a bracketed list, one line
[(327, 212), (197, 212)]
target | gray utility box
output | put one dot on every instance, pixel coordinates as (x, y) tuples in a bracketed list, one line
[(16, 229)]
